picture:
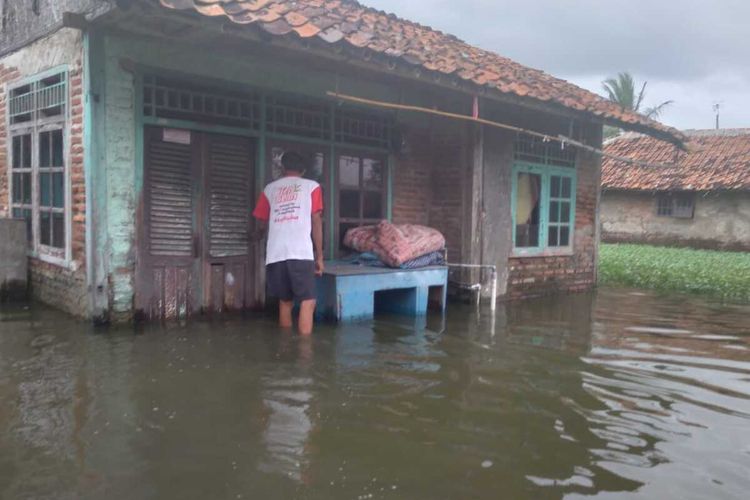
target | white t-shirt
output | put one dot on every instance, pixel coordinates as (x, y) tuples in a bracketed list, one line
[(288, 204)]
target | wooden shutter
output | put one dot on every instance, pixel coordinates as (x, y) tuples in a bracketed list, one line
[(229, 196), (170, 210)]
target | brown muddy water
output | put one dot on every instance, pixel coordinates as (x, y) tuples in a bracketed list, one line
[(621, 394)]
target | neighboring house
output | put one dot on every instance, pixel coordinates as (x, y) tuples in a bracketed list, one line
[(137, 134), (701, 199)]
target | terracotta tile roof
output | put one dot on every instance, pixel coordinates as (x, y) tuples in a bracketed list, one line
[(715, 160), (349, 22)]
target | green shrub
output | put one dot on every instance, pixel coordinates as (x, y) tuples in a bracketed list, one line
[(725, 275)]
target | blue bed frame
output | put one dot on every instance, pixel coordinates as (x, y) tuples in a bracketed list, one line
[(349, 292)]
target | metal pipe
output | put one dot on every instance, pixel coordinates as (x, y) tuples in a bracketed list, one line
[(493, 268)]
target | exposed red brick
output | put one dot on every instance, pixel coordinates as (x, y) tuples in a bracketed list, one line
[(64, 287)]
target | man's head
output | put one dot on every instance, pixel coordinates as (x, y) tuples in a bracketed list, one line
[(293, 163)]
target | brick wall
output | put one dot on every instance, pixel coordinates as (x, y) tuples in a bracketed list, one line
[(537, 276), (446, 210), (60, 286), (427, 184), (7, 74), (412, 193)]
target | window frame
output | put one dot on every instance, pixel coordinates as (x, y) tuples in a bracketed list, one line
[(35, 127), (671, 201), (546, 172), (336, 188)]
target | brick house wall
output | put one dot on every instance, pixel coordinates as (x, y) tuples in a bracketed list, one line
[(412, 196), (427, 189), (427, 183), (63, 286), (544, 275), (7, 75)]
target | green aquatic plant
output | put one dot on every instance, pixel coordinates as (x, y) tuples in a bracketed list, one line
[(725, 275)]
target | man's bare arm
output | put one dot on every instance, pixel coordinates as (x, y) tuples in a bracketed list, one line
[(317, 236)]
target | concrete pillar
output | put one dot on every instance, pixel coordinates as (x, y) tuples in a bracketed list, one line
[(13, 259)]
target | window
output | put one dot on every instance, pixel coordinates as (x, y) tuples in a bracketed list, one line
[(680, 206), (361, 186), (21, 202), (38, 171), (543, 207)]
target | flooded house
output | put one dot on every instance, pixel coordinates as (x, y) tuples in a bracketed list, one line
[(699, 197), (137, 134)]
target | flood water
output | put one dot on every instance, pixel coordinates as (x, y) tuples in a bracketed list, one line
[(618, 394)]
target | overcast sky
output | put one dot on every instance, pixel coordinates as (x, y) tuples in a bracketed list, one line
[(695, 52)]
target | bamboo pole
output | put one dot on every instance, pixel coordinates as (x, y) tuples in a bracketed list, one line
[(563, 140)]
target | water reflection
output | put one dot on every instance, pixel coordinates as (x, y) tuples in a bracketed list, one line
[(288, 400), (614, 394)]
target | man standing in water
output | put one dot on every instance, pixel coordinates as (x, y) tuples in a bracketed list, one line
[(291, 209)]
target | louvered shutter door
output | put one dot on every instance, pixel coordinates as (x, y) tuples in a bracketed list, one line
[(170, 210), (229, 196)]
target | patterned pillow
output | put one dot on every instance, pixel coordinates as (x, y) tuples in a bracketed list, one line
[(399, 244), (361, 239)]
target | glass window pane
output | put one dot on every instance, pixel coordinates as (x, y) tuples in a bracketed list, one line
[(276, 169), (57, 148), (554, 186), (566, 187), (528, 194), (26, 151), (26, 214), (17, 195), (349, 171), (552, 239), (45, 198), (565, 211), (317, 167), (58, 190), (554, 211), (373, 205), (44, 150), (45, 227), (564, 236), (17, 152), (349, 201), (26, 188), (372, 174), (58, 231)]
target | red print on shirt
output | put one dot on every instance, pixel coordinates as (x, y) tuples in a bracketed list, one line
[(287, 194)]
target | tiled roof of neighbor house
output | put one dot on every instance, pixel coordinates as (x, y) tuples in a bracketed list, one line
[(715, 160), (349, 22)]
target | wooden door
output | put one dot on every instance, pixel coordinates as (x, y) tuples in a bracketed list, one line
[(168, 258), (228, 252), (194, 249)]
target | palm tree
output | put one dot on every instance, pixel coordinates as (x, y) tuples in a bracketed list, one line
[(621, 90)]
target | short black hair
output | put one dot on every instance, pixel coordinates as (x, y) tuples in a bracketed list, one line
[(292, 160)]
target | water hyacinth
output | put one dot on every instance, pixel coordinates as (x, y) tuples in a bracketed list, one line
[(724, 275)]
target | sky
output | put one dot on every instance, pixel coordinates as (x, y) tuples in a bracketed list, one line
[(694, 52)]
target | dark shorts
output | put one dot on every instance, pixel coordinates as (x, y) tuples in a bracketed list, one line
[(291, 280)]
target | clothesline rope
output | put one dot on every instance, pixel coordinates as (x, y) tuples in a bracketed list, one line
[(563, 140)]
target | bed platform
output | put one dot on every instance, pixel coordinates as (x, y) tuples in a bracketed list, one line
[(350, 292)]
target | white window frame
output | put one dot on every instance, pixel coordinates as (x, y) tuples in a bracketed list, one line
[(53, 255)]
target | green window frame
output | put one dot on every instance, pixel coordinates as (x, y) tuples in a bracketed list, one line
[(554, 212)]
